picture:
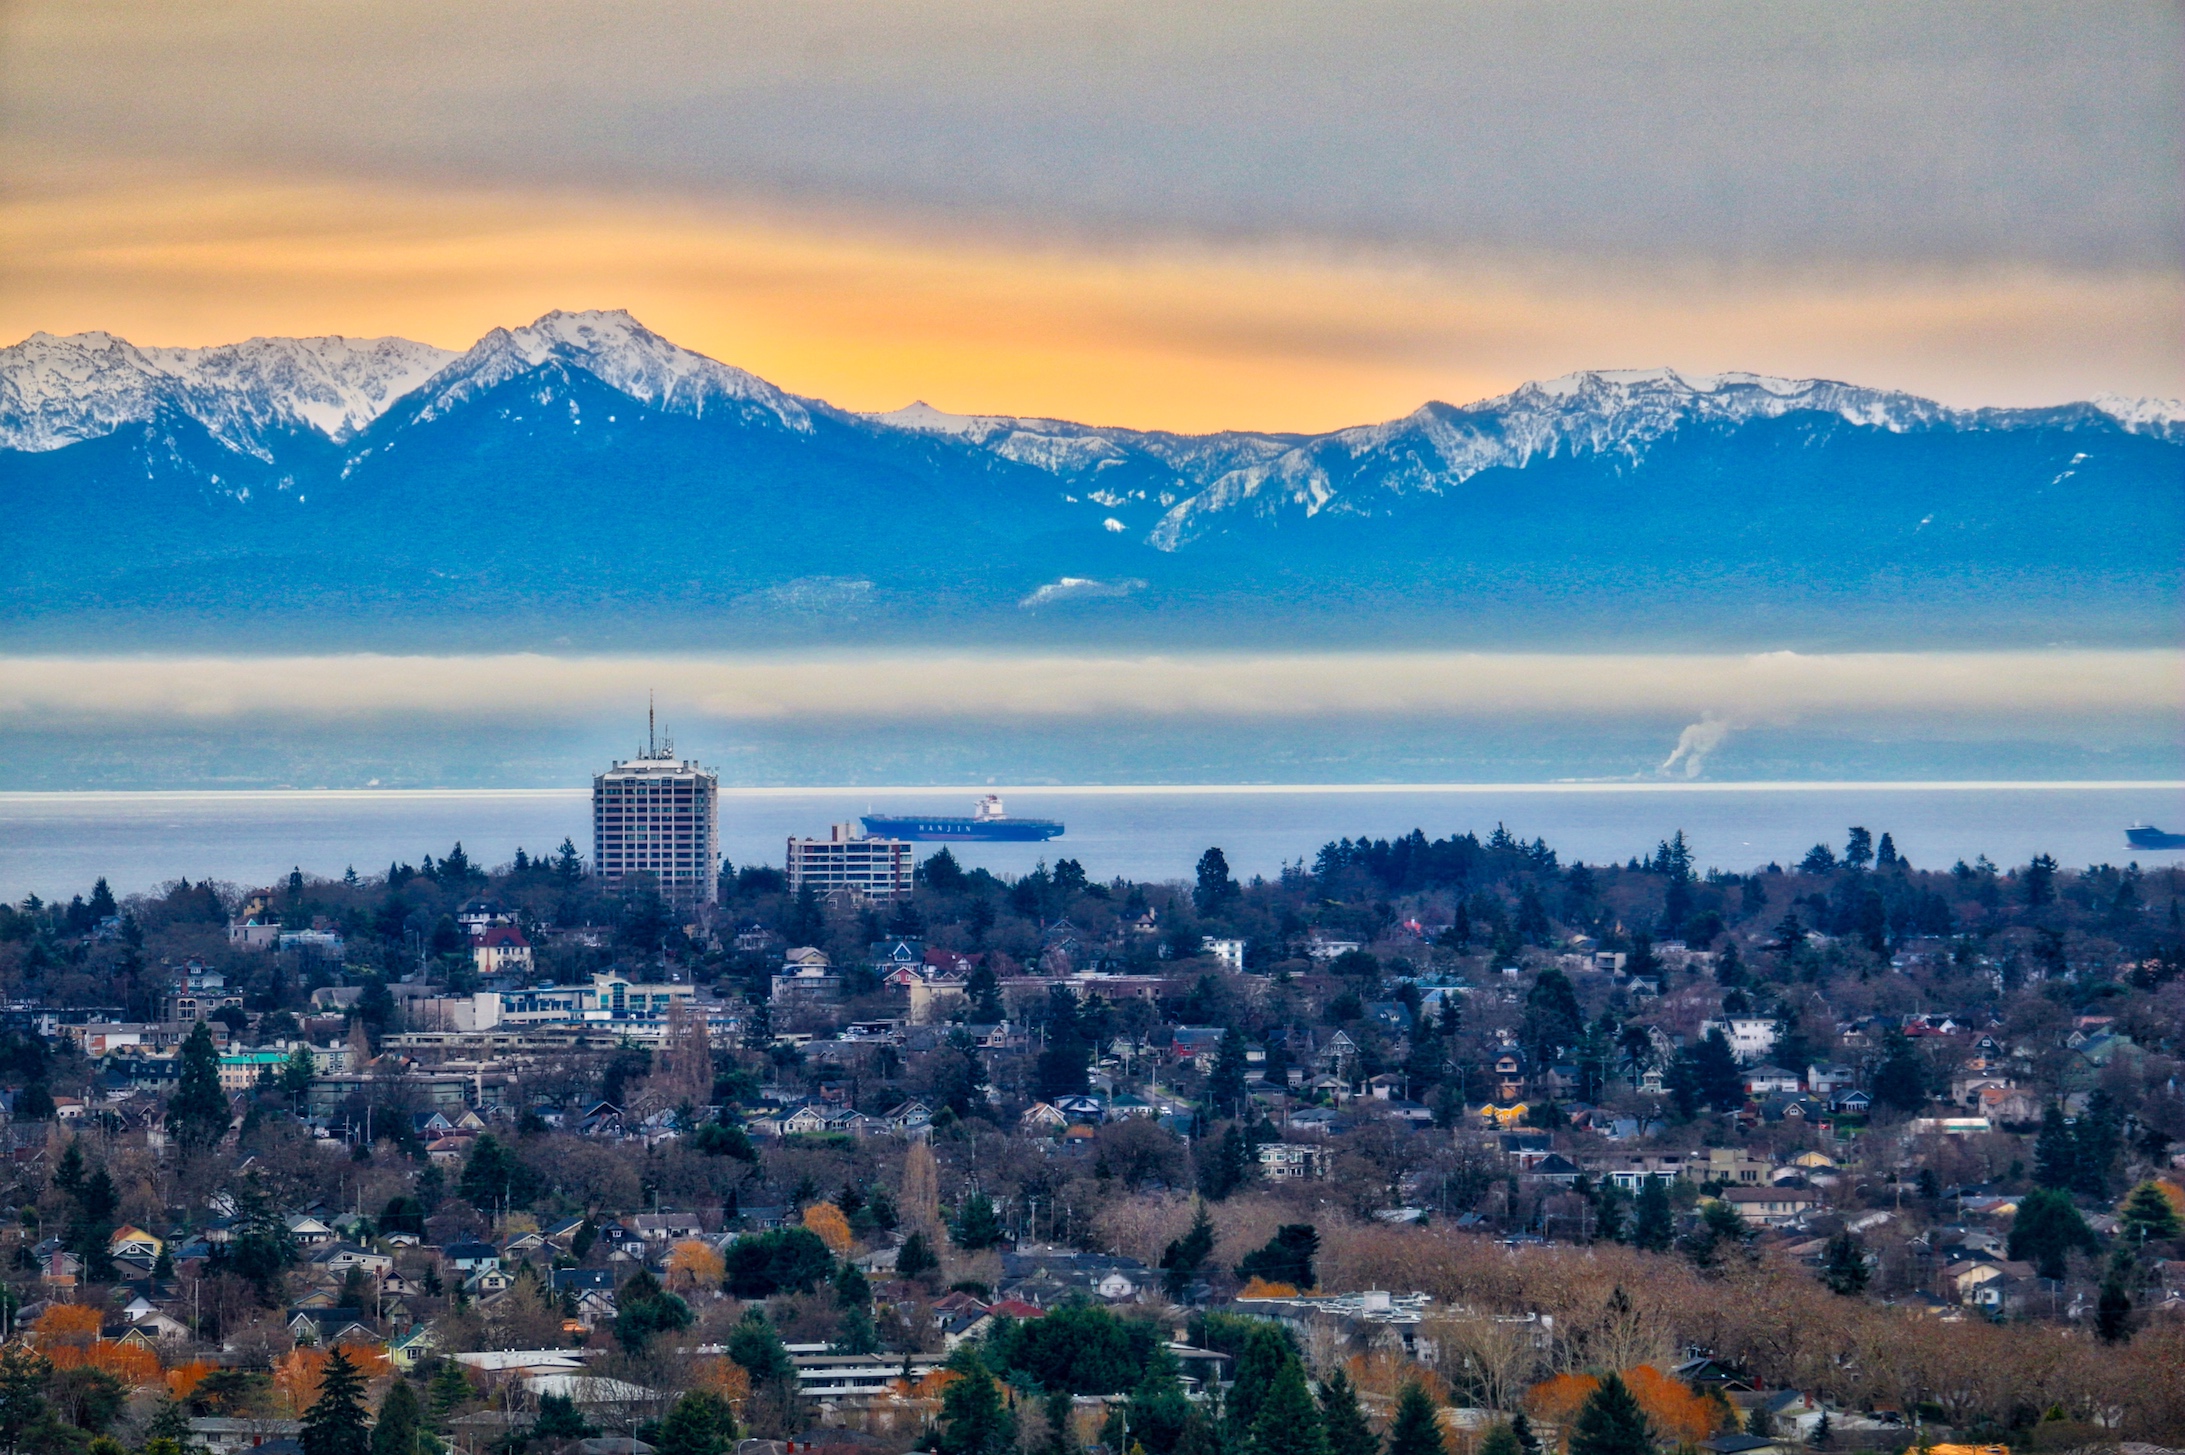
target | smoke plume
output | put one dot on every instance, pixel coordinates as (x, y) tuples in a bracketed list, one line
[(1693, 746)]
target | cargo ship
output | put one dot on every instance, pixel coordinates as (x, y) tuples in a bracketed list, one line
[(2143, 836), (987, 823)]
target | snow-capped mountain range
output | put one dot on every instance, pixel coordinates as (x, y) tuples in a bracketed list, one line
[(56, 392), (322, 469)]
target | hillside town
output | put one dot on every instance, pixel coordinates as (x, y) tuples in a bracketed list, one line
[(1425, 1145)]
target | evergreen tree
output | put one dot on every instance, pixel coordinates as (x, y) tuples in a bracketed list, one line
[(558, 1419), (2113, 1305), (1843, 1265), (1227, 1167), (1900, 1081), (1521, 1430), (1345, 1423), (401, 1424), (643, 1308), (1721, 1081), (976, 1226), (2147, 1216), (2055, 1153), (1500, 1440), (198, 1113), (2096, 1141), (23, 1372), (1611, 1423), (2047, 1227), (1286, 1258), (1288, 1422), (916, 1257), (168, 1431), (448, 1391), (983, 989), (1416, 1430), (1824, 1434), (700, 1423), (495, 1178), (1185, 1256), (975, 1422), (335, 1423), (1055, 1411), (1654, 1227), (1265, 1353), (1214, 888), (1225, 1086), (1608, 1212)]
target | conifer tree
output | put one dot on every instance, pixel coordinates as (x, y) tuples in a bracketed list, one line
[(1348, 1432), (198, 1114), (1843, 1265), (1184, 1257), (1288, 1422), (975, 1420), (1653, 1228), (976, 1224), (449, 1391), (701, 1423), (1500, 1439), (1416, 1430), (401, 1422), (1225, 1084), (2147, 1215), (2113, 1305), (1266, 1350), (1611, 1423), (335, 1423)]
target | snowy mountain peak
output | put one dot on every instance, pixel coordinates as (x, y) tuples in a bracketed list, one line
[(925, 419), (55, 391), (621, 353), (2163, 418)]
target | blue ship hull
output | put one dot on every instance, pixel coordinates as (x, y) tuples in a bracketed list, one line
[(990, 830), (2153, 838)]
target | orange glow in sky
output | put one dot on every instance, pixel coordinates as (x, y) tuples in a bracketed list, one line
[(871, 316)]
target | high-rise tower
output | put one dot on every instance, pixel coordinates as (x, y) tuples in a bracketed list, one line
[(658, 815)]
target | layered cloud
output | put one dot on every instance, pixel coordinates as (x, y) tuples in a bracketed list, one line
[(1968, 689), (1281, 216)]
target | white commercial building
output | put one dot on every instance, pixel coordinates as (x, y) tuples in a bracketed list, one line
[(658, 816), (847, 860)]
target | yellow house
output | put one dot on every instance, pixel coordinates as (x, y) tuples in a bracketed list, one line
[(133, 1243), (1504, 1116)]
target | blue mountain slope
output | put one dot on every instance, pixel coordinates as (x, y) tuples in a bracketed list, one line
[(584, 482)]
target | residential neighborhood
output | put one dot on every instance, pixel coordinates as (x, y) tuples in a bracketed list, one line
[(1447, 1121)]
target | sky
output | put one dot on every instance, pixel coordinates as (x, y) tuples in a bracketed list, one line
[(1266, 215)]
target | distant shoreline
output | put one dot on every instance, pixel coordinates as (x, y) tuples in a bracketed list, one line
[(1087, 790)]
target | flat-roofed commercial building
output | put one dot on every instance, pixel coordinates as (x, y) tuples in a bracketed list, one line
[(847, 861), (658, 815)]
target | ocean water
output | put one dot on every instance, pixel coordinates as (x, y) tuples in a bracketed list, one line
[(57, 844)]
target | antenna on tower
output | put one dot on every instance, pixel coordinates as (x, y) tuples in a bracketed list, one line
[(652, 748)]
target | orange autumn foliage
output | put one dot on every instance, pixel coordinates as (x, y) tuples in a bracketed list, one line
[(72, 1322), (132, 1364), (297, 1374), (693, 1266), (825, 1219), (183, 1379), (1557, 1401), (931, 1386), (723, 1377), (1384, 1373), (1264, 1288), (1679, 1416)]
